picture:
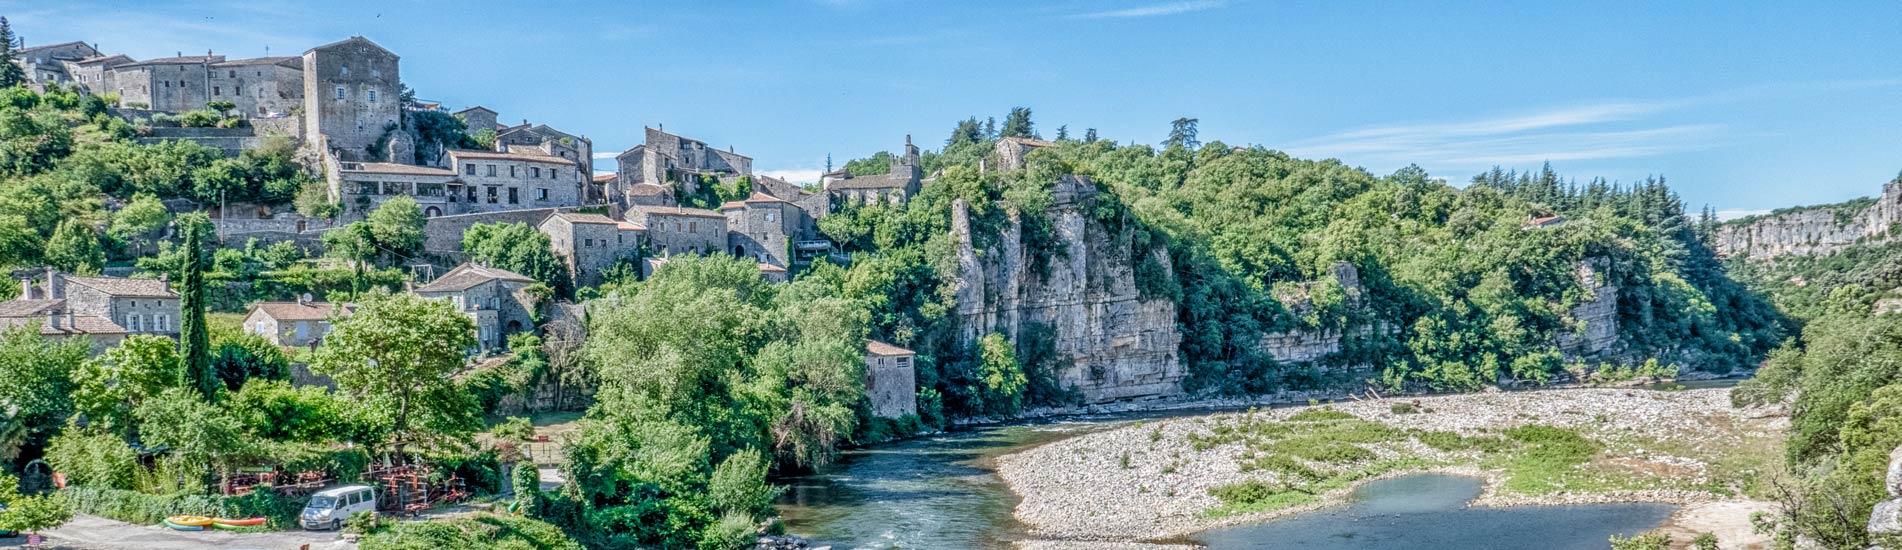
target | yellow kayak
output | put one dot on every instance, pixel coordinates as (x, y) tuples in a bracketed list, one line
[(190, 521)]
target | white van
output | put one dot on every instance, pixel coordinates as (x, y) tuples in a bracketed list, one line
[(331, 507)]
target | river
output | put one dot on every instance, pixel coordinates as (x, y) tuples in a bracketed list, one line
[(941, 492)]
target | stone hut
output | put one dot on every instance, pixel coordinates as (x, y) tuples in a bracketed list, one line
[(891, 380), (299, 323), (591, 243), (493, 298), (677, 230)]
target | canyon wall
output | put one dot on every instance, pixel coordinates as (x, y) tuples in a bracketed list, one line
[(1111, 343), (1813, 230)]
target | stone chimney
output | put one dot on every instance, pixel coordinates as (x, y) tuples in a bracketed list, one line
[(52, 289), (26, 289)]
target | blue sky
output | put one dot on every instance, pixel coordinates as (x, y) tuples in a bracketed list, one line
[(1741, 105)]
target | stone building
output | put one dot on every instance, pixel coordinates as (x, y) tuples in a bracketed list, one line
[(763, 228), (676, 230), (891, 380), (103, 308), (591, 243), (493, 298), (173, 84), (352, 91), (478, 118), (1010, 151), (667, 159), (479, 181), (299, 323), (896, 186), (51, 63), (260, 87)]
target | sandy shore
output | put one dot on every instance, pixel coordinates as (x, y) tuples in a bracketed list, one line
[(1146, 481)]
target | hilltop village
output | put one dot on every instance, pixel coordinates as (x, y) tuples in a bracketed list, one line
[(345, 106)]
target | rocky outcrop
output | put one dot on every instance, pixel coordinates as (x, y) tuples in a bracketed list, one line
[(1111, 343), (1886, 519), (1595, 320), (1307, 345), (1814, 230)]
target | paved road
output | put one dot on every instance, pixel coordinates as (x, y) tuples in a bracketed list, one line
[(86, 532)]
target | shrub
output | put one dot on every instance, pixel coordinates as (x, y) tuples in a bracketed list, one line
[(1704, 541), (197, 119), (93, 458), (1320, 415), (516, 428), (1404, 408), (144, 509), (1648, 541), (482, 532), (734, 531)]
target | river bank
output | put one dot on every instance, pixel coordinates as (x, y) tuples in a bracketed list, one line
[(1158, 481)]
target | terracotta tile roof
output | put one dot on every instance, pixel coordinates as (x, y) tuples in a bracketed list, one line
[(645, 189), (123, 287), (603, 178), (631, 226), (579, 217), (304, 311), (876, 347), (675, 211), (465, 276), (473, 154), (729, 205), (1030, 141), (759, 197), (396, 168), (770, 268)]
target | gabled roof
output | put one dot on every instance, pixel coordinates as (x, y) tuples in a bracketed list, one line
[(756, 198), (125, 288), (476, 108), (29, 308), (876, 347), (674, 211), (467, 276), (23, 51), (77, 324), (288, 61), (121, 58), (603, 178), (350, 40), (303, 311), (645, 189), (581, 217), (630, 226), (474, 154), (770, 268), (397, 168)]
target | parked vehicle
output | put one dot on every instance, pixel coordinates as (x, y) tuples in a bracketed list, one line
[(329, 508)]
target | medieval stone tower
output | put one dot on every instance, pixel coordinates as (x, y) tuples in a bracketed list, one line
[(351, 96)]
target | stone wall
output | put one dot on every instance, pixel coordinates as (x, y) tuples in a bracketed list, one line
[(1111, 343), (1815, 230), (443, 234)]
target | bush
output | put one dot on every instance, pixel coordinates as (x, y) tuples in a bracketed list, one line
[(93, 458), (198, 119), (1648, 541), (734, 531), (144, 509), (484, 532)]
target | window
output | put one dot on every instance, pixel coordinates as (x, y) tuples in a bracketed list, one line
[(237, 90), (769, 215), (366, 188), (588, 242), (472, 195), (511, 170), (491, 170), (168, 84), (693, 227), (346, 70), (216, 90), (162, 323), (374, 72), (372, 96), (181, 83), (514, 195), (551, 173), (135, 323), (541, 194), (469, 169), (258, 329), (232, 74), (340, 93), (492, 195)]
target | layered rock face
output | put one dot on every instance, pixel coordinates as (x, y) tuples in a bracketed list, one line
[(1296, 346), (1597, 316), (1813, 231), (1111, 343)]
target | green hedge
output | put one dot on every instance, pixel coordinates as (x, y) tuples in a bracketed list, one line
[(146, 509)]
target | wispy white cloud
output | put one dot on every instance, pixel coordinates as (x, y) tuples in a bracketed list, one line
[(795, 175), (1595, 131), (605, 156), (1155, 10)]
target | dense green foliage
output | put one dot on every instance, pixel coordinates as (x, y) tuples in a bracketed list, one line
[(519, 248), (194, 337), (391, 358), (481, 532)]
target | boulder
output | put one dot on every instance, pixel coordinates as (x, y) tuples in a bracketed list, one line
[(1886, 519)]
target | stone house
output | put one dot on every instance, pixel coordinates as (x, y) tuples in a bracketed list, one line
[(667, 159), (52, 63), (480, 181), (591, 243), (299, 323), (494, 298), (891, 380), (172, 84), (763, 228), (352, 91), (477, 118), (544, 140), (104, 308), (260, 87), (896, 186), (677, 230), (1010, 151)]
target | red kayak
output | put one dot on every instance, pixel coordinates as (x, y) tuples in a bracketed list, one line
[(239, 522)]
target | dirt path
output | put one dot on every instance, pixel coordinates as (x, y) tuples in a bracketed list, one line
[(86, 532), (1728, 519)]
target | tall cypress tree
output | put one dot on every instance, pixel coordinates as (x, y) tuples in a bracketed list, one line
[(194, 341), (10, 74)]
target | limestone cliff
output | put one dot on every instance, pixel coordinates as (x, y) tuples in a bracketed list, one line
[(1594, 320), (1111, 343), (1815, 230)]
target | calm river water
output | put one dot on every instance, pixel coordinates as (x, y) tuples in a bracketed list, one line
[(940, 492)]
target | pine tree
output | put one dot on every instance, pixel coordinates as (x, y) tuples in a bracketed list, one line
[(1089, 135), (1182, 132), (1063, 132), (1018, 124), (10, 74), (990, 128), (194, 341)]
